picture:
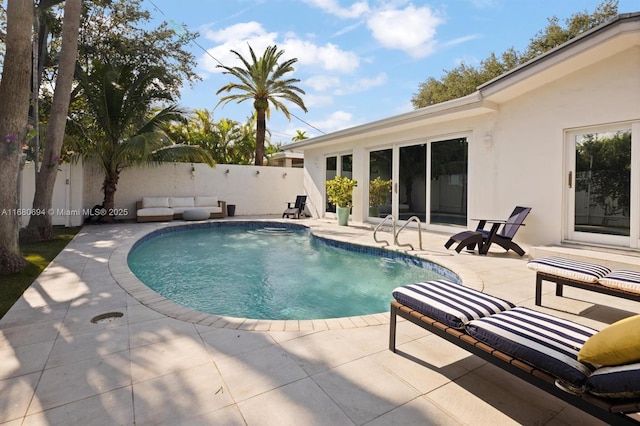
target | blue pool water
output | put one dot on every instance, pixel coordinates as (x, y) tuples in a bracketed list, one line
[(270, 271)]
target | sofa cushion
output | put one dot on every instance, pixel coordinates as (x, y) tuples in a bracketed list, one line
[(569, 268), (206, 201), (182, 202), (155, 211), (616, 344), (449, 303), (155, 202), (623, 280), (544, 341), (621, 381), (212, 209)]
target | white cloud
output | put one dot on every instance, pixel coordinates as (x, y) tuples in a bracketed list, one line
[(237, 37), (410, 29), (337, 120), (328, 56), (312, 100), (356, 10), (321, 83), (363, 84)]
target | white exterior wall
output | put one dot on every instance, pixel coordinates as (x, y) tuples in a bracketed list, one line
[(67, 203), (263, 193), (529, 140), (79, 187), (516, 154)]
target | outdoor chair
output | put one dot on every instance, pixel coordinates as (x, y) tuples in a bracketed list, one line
[(501, 233), (297, 208)]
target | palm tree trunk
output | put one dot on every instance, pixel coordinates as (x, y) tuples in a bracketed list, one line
[(109, 187), (261, 131), (40, 226), (15, 90)]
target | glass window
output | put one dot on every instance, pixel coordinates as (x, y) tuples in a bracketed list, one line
[(449, 164), (603, 183), (331, 172), (412, 180), (380, 166)]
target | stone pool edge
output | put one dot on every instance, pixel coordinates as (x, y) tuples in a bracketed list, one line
[(120, 271)]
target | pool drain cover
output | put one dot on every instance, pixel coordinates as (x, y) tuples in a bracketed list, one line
[(108, 317)]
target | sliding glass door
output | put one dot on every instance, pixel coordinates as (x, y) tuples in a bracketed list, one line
[(440, 199)]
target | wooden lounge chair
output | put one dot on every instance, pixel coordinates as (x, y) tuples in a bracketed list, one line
[(483, 238), (297, 208)]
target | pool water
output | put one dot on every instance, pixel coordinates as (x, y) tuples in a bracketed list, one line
[(269, 273)]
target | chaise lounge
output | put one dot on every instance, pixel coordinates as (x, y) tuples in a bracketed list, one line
[(597, 372), (483, 238), (297, 208), (586, 276)]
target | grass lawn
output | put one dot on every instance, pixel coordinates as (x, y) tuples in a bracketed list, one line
[(38, 256)]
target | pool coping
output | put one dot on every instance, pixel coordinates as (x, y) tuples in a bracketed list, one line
[(120, 271)]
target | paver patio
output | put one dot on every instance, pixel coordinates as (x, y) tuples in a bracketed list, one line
[(147, 367)]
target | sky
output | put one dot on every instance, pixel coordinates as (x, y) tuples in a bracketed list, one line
[(357, 61)]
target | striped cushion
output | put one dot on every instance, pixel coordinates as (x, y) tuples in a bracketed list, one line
[(544, 341), (623, 280), (569, 268), (620, 381), (449, 303)]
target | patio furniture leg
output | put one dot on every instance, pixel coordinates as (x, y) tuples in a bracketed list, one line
[(392, 330), (559, 288), (538, 290)]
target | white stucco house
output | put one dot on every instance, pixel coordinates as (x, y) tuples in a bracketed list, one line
[(560, 134)]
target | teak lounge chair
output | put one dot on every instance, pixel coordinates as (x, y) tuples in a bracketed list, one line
[(484, 238), (297, 208)]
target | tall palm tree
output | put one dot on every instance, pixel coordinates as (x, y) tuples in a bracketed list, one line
[(262, 80), (126, 132)]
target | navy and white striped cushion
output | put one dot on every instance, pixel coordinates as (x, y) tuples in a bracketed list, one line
[(569, 268), (449, 303), (623, 280), (620, 381), (544, 341)]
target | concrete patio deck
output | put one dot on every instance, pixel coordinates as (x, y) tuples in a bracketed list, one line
[(172, 366)]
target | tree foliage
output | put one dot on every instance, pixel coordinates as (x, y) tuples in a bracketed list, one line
[(464, 79), (264, 81), (127, 130)]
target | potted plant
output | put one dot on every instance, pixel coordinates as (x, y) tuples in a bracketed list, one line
[(379, 191), (340, 193)]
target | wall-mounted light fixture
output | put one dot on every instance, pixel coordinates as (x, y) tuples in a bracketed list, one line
[(226, 171), (193, 171), (284, 175), (257, 172)]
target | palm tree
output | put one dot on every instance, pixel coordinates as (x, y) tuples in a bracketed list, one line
[(126, 132), (262, 80), (300, 136), (14, 92)]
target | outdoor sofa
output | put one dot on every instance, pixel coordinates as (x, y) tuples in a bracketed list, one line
[(161, 209), (597, 372)]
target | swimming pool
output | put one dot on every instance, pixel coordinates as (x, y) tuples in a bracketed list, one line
[(262, 270)]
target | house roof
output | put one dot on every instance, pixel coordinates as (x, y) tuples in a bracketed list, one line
[(593, 46)]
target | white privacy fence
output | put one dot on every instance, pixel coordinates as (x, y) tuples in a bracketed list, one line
[(254, 190)]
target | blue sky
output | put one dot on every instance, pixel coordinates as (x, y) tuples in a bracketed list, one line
[(358, 61)]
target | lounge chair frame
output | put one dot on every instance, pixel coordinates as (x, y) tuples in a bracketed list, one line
[(296, 208), (484, 238), (610, 411), (562, 281)]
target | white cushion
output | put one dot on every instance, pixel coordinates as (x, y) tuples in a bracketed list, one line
[(155, 211), (155, 202), (212, 209), (181, 202), (206, 201), (623, 280), (569, 268)]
